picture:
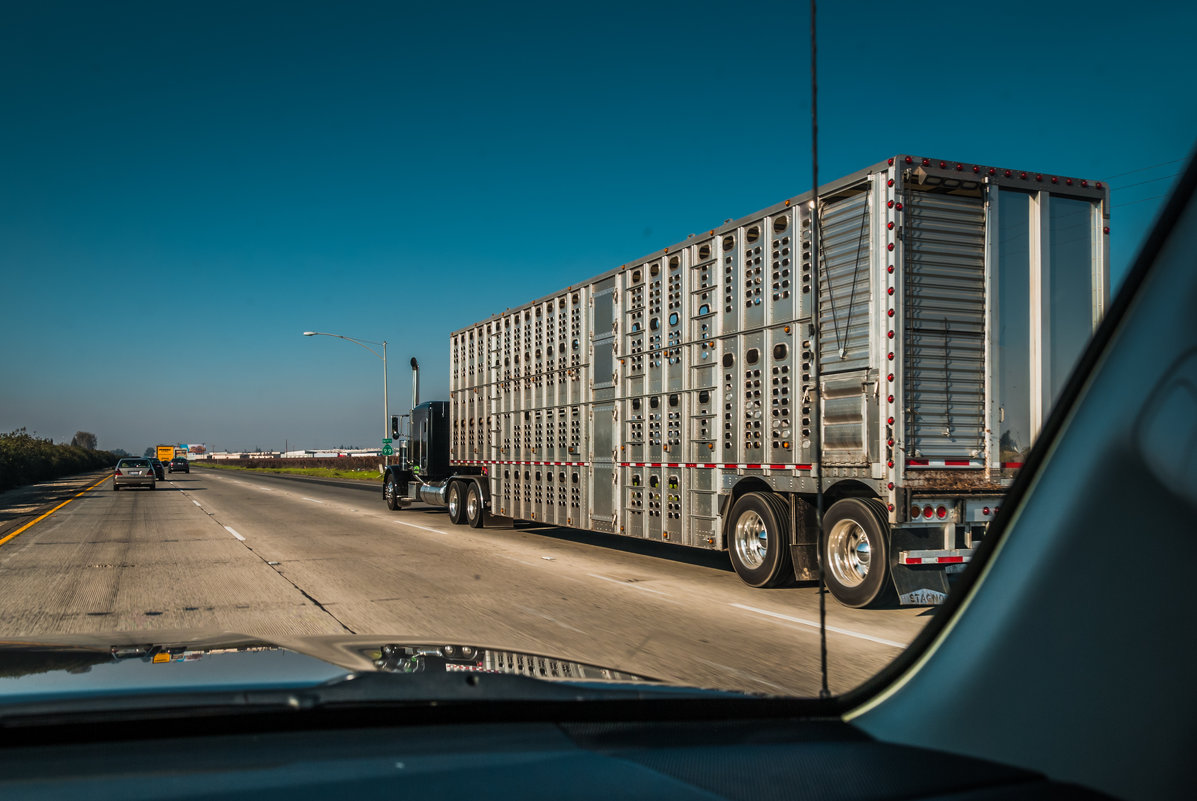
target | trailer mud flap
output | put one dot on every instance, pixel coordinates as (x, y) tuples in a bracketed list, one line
[(919, 586)]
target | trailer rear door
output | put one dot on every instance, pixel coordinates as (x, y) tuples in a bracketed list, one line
[(944, 370)]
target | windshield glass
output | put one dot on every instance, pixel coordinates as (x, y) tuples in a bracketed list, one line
[(522, 327)]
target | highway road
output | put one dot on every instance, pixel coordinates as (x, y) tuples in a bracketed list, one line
[(270, 556)]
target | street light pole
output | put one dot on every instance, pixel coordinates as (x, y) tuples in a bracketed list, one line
[(386, 408)]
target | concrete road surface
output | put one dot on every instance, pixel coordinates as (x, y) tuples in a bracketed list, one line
[(265, 555)]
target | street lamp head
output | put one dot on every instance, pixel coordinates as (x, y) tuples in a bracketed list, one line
[(309, 333)]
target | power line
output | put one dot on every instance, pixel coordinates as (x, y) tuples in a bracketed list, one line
[(1140, 200), (1144, 169), (1148, 181)]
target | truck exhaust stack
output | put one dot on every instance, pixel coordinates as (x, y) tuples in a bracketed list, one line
[(415, 382)]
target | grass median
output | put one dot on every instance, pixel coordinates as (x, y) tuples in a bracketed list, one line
[(369, 475)]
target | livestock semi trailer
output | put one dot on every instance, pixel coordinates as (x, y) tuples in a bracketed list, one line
[(701, 395)]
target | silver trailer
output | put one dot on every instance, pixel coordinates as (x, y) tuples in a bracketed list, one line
[(697, 395)]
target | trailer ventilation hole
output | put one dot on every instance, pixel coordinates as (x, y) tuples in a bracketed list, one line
[(635, 404), (752, 356), (753, 233), (780, 224), (729, 242), (654, 481), (575, 478), (673, 318), (674, 262), (704, 309), (654, 323), (636, 277), (673, 400), (704, 397), (654, 402), (704, 252), (779, 351), (728, 360), (655, 270)]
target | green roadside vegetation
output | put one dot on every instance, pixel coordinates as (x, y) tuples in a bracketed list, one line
[(28, 459), (371, 475)]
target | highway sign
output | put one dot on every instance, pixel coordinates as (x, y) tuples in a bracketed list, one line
[(387, 450), (386, 440)]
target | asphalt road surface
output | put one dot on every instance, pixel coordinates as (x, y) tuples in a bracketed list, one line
[(271, 556)]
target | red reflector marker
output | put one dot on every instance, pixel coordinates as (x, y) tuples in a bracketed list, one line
[(909, 160), (941, 512), (927, 512), (985, 511)]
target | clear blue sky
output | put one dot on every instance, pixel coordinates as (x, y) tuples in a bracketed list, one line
[(185, 187)]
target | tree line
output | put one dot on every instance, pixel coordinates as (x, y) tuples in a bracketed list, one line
[(27, 458)]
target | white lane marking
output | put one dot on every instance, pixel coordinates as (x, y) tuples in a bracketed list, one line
[(630, 584), (197, 503), (815, 625), (313, 500), (233, 531), (521, 561), (424, 528), (542, 615), (741, 674)]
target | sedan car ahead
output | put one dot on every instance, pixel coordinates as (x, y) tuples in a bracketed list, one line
[(134, 472), (159, 469), (179, 465)]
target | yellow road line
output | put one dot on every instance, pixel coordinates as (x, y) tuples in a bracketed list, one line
[(31, 523)]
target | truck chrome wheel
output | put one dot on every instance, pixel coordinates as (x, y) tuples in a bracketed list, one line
[(751, 540), (757, 543), (454, 503), (848, 553), (473, 508), (855, 552), (390, 493)]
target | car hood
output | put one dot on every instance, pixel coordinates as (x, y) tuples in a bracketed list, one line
[(105, 668)]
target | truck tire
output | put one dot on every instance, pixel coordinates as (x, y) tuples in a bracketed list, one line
[(390, 492), (475, 514), (456, 503), (758, 546), (855, 552)]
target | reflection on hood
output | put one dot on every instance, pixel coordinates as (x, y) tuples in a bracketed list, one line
[(105, 665)]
